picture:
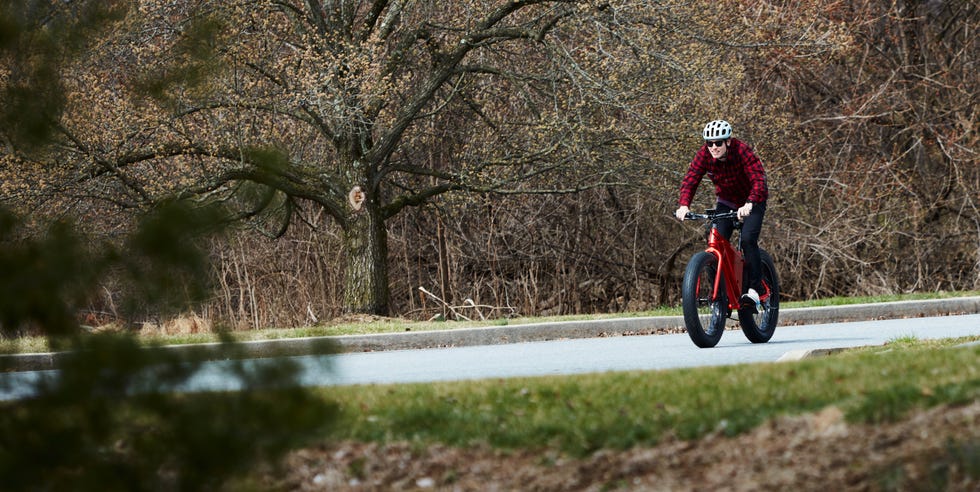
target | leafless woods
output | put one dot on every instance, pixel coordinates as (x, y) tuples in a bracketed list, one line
[(518, 157)]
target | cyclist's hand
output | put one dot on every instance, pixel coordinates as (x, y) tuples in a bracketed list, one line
[(681, 212), (745, 211)]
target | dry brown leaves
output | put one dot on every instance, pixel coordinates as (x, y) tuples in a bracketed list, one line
[(812, 452)]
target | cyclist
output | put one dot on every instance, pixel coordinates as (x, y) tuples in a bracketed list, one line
[(740, 185)]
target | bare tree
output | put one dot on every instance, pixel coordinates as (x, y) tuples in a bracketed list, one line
[(366, 108)]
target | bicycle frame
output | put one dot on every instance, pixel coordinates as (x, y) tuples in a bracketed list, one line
[(731, 264)]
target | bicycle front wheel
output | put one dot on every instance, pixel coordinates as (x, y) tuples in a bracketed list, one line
[(704, 318)]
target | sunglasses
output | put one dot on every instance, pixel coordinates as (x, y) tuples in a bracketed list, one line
[(716, 143)]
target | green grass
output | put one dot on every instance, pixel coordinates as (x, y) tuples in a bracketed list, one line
[(391, 325), (842, 301), (580, 414)]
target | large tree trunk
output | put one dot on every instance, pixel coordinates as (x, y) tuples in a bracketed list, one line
[(366, 275)]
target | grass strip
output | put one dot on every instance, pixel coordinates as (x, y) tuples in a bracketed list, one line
[(580, 414)]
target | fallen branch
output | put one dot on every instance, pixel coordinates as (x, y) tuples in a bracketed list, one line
[(467, 304)]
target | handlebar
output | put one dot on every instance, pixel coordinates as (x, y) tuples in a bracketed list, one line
[(712, 215)]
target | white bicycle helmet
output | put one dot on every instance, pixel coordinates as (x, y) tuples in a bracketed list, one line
[(717, 130)]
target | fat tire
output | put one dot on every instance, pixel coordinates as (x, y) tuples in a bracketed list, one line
[(759, 327), (693, 299)]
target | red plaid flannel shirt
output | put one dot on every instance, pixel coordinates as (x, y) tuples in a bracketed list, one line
[(738, 179)]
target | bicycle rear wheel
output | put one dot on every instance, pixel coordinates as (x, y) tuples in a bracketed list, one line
[(704, 318), (759, 327)]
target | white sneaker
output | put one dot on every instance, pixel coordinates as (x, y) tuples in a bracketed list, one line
[(750, 300)]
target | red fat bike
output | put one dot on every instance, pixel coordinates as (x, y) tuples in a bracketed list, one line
[(712, 289)]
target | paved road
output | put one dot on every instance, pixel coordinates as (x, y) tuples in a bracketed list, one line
[(625, 353), (574, 356), (579, 356)]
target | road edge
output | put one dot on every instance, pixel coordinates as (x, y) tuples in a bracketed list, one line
[(531, 332)]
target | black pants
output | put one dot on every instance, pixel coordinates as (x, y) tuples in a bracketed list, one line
[(749, 240)]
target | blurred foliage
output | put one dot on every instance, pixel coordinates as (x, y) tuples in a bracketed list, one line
[(191, 65), (164, 261), (45, 280), (35, 38), (112, 421), (115, 416), (50, 277)]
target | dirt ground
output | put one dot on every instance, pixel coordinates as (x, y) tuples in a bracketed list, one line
[(938, 449)]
